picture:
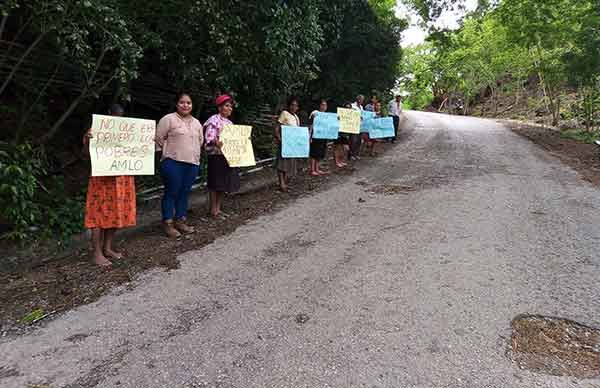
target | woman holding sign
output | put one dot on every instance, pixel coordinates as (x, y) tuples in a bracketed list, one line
[(318, 147), (179, 135), (221, 177), (110, 205), (341, 146), (371, 144), (286, 167)]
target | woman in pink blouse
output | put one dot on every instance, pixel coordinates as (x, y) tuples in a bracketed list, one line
[(179, 135), (220, 178)]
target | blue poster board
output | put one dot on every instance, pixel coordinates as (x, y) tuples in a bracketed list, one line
[(326, 126), (367, 115), (382, 128), (295, 142), (366, 118)]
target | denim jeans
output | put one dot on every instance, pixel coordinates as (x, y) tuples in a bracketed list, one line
[(178, 178)]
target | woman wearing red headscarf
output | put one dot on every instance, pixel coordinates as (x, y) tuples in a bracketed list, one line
[(221, 177)]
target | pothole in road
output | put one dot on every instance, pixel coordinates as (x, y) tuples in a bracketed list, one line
[(555, 346)]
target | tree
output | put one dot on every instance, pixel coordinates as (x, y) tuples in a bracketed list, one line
[(418, 77), (546, 29), (361, 50), (91, 44), (583, 62)]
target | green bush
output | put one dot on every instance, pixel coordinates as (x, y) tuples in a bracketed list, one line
[(20, 170), (30, 209), (582, 136)]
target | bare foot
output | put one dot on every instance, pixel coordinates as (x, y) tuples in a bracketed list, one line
[(321, 172), (109, 253), (102, 261), (314, 173)]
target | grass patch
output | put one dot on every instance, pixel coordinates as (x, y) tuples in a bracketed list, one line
[(580, 135), (33, 316)]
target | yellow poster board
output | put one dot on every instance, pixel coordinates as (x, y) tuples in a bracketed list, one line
[(237, 145), (349, 120), (122, 146)]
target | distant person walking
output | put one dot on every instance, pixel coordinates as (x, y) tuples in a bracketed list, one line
[(355, 139), (221, 177), (286, 167), (110, 205), (179, 136), (318, 147), (395, 110)]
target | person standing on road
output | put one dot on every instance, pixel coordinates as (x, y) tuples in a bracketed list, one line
[(355, 139), (395, 110), (286, 167), (341, 146), (318, 147), (110, 205), (179, 136), (221, 177), (371, 144)]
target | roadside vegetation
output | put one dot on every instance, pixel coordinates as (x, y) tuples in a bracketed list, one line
[(524, 59), (61, 61)]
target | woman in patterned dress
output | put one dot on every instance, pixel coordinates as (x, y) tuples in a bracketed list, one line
[(110, 205)]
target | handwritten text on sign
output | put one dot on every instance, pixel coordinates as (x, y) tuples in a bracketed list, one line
[(349, 120), (237, 145), (122, 146), (295, 142)]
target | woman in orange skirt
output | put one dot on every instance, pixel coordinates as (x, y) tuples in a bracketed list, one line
[(110, 205)]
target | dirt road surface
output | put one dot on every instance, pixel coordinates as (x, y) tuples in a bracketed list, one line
[(407, 274)]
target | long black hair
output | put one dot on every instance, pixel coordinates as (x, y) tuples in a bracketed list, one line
[(291, 100)]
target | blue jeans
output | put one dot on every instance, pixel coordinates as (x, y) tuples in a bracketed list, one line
[(178, 178)]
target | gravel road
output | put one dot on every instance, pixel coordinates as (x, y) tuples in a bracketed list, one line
[(407, 274)]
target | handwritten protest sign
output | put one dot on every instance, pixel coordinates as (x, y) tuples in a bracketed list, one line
[(295, 142), (349, 120), (122, 146), (237, 145), (326, 126), (366, 117), (381, 128)]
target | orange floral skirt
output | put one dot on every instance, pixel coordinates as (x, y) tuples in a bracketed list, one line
[(110, 202)]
